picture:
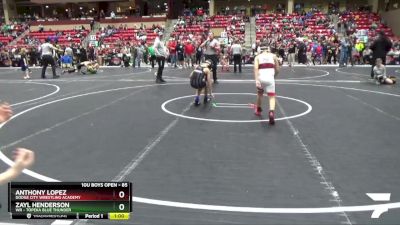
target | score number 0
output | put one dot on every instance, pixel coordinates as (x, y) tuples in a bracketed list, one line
[(121, 194)]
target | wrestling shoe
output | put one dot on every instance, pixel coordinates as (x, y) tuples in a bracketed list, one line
[(271, 116), (207, 99), (257, 111), (196, 101)]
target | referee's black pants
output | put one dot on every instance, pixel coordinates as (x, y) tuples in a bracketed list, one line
[(214, 59), (46, 60), (161, 63), (237, 60)]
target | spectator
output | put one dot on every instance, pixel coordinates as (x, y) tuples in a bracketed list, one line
[(180, 50), (302, 53), (350, 51), (199, 55), (344, 45), (291, 53), (134, 54), (172, 44), (83, 54), (189, 53), (91, 24), (139, 54), (152, 56), (367, 55), (360, 48), (102, 14), (23, 158), (24, 64), (91, 53), (41, 28)]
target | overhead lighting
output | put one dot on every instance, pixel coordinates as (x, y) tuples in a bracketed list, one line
[(80, 8), (47, 6)]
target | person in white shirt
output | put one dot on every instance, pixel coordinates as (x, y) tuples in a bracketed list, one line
[(161, 54), (68, 51), (236, 51), (254, 48), (212, 50), (47, 58)]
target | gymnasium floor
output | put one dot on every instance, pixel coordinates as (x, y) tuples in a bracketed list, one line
[(336, 139)]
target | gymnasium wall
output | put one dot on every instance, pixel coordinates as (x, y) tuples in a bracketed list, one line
[(392, 19), (343, 4), (131, 22), (238, 3), (59, 25), (389, 6)]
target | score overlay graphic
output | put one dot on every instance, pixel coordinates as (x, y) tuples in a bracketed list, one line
[(70, 200)]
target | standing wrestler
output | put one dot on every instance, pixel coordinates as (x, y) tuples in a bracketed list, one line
[(266, 67), (200, 79)]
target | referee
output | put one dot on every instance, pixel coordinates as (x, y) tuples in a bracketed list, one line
[(47, 58), (212, 48), (236, 51)]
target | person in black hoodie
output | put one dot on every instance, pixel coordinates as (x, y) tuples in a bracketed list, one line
[(302, 58), (91, 55), (380, 47), (83, 55), (180, 50)]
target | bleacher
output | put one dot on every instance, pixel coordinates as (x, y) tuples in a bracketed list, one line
[(129, 35), (218, 21), (363, 21), (268, 21), (62, 40), (128, 30), (7, 38)]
